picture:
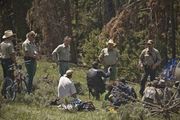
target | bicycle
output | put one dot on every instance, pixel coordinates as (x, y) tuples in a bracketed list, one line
[(19, 84)]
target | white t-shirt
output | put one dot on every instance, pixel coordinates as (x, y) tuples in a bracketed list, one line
[(66, 87)]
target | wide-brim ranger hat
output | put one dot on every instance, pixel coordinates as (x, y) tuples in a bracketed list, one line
[(150, 42), (8, 33), (31, 33), (69, 72), (111, 42)]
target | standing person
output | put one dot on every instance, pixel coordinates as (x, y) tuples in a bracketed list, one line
[(66, 87), (7, 57), (109, 58), (30, 57), (61, 54), (95, 83), (149, 60)]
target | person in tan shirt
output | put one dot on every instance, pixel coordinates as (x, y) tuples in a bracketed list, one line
[(7, 54), (61, 55), (30, 57), (109, 58), (149, 60)]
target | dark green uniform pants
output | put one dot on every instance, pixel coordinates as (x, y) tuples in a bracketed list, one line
[(7, 73)]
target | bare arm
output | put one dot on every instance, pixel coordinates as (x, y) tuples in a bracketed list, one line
[(141, 58), (103, 74), (158, 58), (55, 53), (100, 58)]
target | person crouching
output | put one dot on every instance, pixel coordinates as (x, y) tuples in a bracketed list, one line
[(95, 83), (66, 87)]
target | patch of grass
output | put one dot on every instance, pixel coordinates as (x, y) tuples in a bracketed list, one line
[(25, 112)]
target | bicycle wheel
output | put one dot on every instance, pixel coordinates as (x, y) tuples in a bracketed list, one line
[(23, 85), (11, 91)]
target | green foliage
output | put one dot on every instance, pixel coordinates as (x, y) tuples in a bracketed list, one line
[(129, 51), (129, 55), (92, 47)]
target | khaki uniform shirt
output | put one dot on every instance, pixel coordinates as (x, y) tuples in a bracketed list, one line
[(6, 49), (62, 52), (150, 57), (109, 57), (29, 47)]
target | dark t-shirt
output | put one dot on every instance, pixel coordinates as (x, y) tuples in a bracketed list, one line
[(94, 79)]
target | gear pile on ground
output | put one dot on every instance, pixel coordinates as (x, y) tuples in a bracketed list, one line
[(77, 105), (164, 101), (121, 93)]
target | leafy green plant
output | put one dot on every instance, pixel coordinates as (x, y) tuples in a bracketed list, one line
[(92, 47)]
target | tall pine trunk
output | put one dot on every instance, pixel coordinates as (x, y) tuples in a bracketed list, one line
[(53, 19), (109, 10)]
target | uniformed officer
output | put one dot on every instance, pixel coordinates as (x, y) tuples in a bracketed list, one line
[(61, 55), (149, 60), (30, 56), (7, 57), (109, 58)]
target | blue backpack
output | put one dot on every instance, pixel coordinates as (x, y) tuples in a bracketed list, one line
[(169, 69)]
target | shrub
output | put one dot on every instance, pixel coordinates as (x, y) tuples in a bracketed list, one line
[(92, 47)]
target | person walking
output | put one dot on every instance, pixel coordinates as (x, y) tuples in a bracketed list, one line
[(149, 60), (109, 58), (30, 57), (61, 55), (7, 57)]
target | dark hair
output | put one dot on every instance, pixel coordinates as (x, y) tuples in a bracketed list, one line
[(69, 76), (95, 64)]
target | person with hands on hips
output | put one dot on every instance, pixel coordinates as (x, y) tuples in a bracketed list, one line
[(149, 60)]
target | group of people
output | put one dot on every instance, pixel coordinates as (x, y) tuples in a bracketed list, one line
[(109, 58), (149, 60), (8, 57)]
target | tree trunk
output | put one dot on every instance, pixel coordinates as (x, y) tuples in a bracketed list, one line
[(53, 19), (173, 30), (109, 10), (7, 16), (20, 9)]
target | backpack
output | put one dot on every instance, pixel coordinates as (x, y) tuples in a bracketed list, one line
[(87, 106)]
